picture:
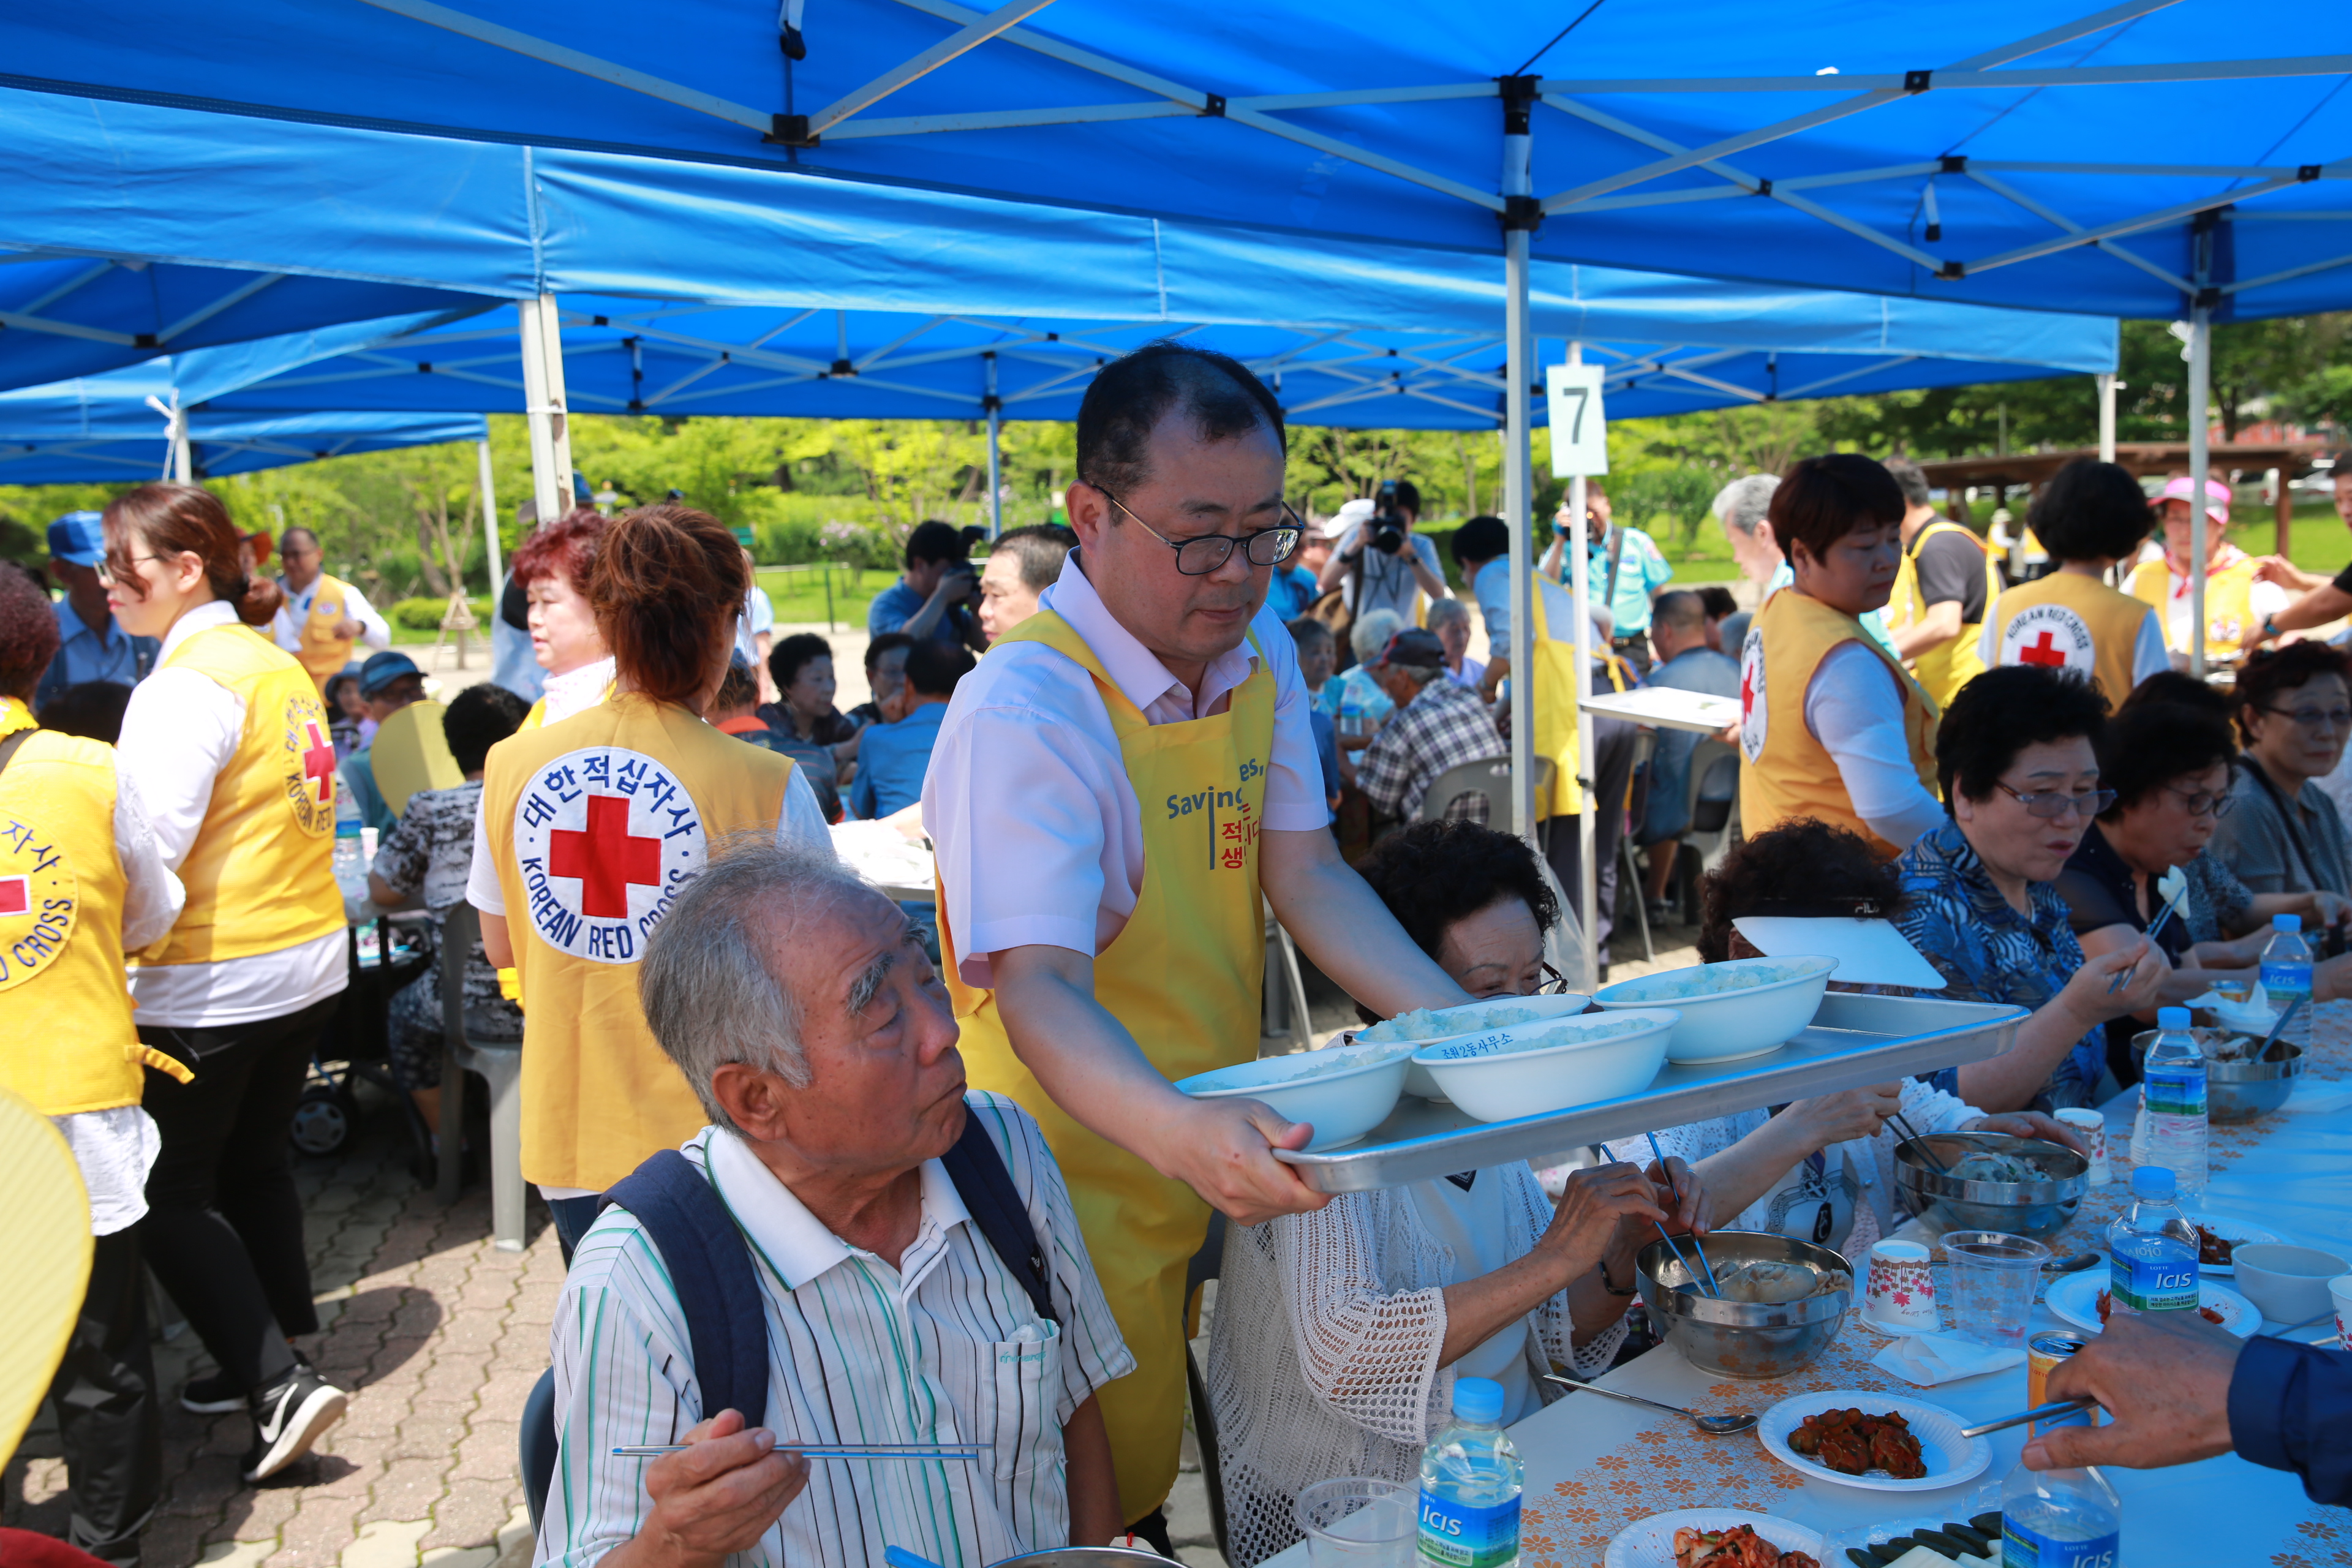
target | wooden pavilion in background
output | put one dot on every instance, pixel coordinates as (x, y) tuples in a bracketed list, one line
[(2293, 459)]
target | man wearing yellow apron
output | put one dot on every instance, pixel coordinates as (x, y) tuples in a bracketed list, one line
[(1945, 587), (324, 617), (1115, 793), (80, 880), (2235, 601)]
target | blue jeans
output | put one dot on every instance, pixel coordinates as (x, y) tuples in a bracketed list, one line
[(572, 1217)]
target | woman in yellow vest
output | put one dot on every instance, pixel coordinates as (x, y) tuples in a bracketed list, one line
[(237, 768), (74, 838), (2235, 601), (553, 566), (1944, 589), (1831, 727), (587, 830), (322, 618), (2091, 515)]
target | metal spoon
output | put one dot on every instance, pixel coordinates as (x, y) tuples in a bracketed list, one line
[(2075, 1264), (1713, 1425)]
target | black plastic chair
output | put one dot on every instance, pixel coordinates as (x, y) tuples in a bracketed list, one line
[(539, 1446)]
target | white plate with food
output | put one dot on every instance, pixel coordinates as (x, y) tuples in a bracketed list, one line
[(2219, 1235), (1742, 1008), (2075, 1299), (1423, 1026), (1872, 1454), (1694, 1538), (1344, 1090), (1927, 1542)]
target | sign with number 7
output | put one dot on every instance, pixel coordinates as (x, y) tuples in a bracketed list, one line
[(1579, 441)]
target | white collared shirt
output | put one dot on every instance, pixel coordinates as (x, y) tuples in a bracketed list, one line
[(576, 691), (179, 731), (1038, 832), (946, 1347), (286, 629)]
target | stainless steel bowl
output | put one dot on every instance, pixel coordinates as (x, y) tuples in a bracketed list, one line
[(2237, 1092), (1084, 1557), (2037, 1208), (1742, 1339)]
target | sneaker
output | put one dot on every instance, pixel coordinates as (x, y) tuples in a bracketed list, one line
[(288, 1419), (220, 1394)]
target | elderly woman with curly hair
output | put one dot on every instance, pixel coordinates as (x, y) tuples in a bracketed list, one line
[(1820, 1170), (1339, 1334)]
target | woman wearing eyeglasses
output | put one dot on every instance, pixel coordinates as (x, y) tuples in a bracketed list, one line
[(2020, 772), (2294, 711)]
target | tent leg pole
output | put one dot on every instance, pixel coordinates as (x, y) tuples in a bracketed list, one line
[(2106, 419), (995, 407), (2200, 385), (551, 434), (490, 520), (1587, 820), (1518, 500)]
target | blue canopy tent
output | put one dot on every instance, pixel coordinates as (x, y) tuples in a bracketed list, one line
[(129, 424)]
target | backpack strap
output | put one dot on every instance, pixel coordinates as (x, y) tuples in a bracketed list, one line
[(710, 1268), (996, 1206)]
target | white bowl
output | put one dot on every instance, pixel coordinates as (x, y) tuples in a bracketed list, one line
[(1742, 1008), (1344, 1090), (1533, 1069), (2288, 1283), (1428, 1025)]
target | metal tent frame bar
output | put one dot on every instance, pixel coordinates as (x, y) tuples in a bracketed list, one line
[(30, 318)]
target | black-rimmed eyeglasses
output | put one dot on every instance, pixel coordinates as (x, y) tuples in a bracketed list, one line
[(1198, 556)]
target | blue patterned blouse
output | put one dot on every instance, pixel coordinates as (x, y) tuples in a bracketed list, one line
[(1987, 952)]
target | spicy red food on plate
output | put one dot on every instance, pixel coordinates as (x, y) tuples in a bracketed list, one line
[(1855, 1444), (1737, 1547)]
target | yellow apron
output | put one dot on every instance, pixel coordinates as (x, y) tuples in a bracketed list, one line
[(2228, 604), (1184, 976), (324, 651), (1941, 671), (1554, 700)]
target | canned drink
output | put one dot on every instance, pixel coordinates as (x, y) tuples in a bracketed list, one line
[(2043, 1354)]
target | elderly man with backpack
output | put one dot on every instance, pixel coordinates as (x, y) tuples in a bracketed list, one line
[(856, 1251)]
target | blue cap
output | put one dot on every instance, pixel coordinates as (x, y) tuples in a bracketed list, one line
[(2278, 922), (2152, 1181), (2172, 1017), (1478, 1399), (382, 669), (78, 537)]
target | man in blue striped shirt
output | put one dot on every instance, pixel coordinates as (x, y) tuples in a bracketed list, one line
[(801, 1008)]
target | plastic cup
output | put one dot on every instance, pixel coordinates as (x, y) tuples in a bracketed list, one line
[(1355, 1523), (2339, 1290), (1994, 1277)]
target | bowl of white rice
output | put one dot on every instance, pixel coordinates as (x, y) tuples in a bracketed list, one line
[(1742, 1008), (1556, 1064), (1344, 1090), (1426, 1026)]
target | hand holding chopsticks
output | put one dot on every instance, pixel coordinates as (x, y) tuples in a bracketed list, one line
[(2050, 1412), (1669, 1173)]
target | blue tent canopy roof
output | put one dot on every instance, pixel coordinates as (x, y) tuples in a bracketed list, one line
[(107, 429), (2121, 159), (629, 356)]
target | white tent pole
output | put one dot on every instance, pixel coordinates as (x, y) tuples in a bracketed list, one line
[(1588, 874), (490, 518), (1517, 493), (184, 460), (2200, 388), (2107, 419), (995, 407), (547, 495)]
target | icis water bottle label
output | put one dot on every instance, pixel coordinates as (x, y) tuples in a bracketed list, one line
[(1460, 1535), (2283, 980), (2171, 1092), (2153, 1275), (2022, 1546)]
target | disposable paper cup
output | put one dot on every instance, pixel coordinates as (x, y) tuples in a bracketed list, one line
[(1901, 1288), (1354, 1522), (2092, 1128), (2340, 1289), (1994, 1276)]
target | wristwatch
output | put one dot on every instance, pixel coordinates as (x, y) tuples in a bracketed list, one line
[(2270, 628)]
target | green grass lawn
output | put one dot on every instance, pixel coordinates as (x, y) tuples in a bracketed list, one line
[(799, 595), (2321, 542)]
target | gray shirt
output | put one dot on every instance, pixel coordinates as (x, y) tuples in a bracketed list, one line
[(1388, 580), (2272, 854)]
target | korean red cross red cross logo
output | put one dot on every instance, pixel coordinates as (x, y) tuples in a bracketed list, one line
[(2052, 636), (1755, 712), (605, 838)]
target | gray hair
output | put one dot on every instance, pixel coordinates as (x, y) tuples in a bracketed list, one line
[(708, 991), (1444, 611), (1372, 632), (1742, 503)]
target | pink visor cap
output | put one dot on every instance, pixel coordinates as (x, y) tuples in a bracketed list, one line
[(2217, 496)]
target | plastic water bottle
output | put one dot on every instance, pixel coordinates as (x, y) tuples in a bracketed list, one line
[(2059, 1519), (2286, 977), (2152, 1249), (351, 862), (1470, 1479), (2173, 1087), (1351, 710)]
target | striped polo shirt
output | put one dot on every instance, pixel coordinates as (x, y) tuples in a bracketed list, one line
[(945, 1348)]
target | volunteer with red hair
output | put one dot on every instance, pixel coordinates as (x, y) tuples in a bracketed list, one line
[(589, 826), (236, 767), (552, 567)]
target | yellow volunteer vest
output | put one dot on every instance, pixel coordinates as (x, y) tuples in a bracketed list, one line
[(1184, 977), (1784, 770), (1554, 700), (594, 824), (69, 1045), (2228, 604), (2072, 622), (1942, 671), (323, 652), (260, 876)]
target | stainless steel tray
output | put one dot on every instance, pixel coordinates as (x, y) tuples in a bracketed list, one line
[(1852, 1041)]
